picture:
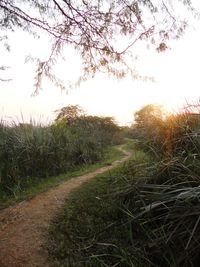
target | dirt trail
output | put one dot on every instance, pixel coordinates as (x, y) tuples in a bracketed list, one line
[(23, 226)]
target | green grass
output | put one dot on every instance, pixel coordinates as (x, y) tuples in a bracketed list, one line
[(131, 216), (130, 144), (90, 231), (35, 151), (145, 213), (35, 186)]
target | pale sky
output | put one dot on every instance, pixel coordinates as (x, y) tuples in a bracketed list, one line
[(176, 74)]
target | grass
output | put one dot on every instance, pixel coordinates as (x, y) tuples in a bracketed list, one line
[(35, 186), (30, 151), (90, 230), (131, 216), (143, 214)]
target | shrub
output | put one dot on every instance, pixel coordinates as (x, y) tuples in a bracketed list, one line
[(32, 151)]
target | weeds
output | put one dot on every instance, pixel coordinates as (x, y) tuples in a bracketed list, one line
[(35, 186), (146, 213), (90, 231), (33, 151)]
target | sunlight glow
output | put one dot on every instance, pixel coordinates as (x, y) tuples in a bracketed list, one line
[(175, 71)]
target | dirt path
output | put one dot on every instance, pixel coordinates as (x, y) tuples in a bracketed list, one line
[(23, 226)]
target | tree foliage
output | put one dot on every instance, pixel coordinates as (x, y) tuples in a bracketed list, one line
[(148, 115), (94, 29), (69, 113), (149, 127), (175, 134)]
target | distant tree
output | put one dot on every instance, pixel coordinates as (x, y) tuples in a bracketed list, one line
[(95, 28), (69, 113), (88, 135), (149, 115), (149, 127)]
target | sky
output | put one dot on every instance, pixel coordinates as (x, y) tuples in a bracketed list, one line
[(175, 71)]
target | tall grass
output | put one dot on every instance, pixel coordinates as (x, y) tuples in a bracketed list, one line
[(146, 213), (163, 207), (34, 151)]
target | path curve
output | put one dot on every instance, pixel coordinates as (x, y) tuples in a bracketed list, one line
[(23, 226)]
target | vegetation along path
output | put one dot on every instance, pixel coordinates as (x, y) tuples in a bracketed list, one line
[(23, 226)]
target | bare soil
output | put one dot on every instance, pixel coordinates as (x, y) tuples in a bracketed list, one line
[(23, 227)]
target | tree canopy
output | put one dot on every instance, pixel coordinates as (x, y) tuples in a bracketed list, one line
[(69, 113), (149, 114), (102, 31)]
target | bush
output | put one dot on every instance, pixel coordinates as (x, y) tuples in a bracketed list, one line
[(32, 151), (144, 214)]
